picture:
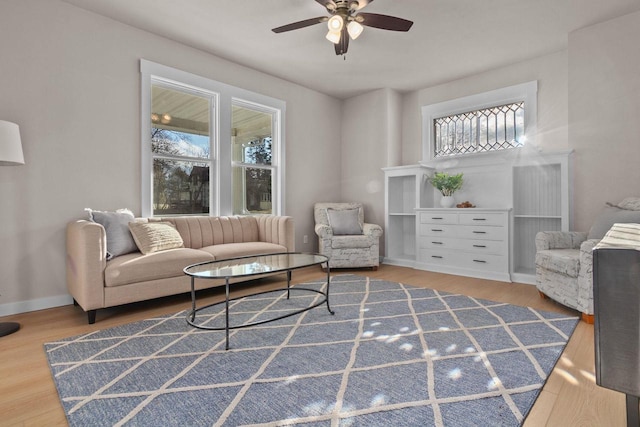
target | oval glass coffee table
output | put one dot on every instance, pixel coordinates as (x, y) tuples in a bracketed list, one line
[(255, 265)]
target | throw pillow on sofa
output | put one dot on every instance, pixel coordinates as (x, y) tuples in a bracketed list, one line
[(155, 236), (609, 216), (119, 239)]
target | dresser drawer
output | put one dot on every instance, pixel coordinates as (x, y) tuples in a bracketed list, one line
[(441, 257), (497, 247), (481, 218), (437, 242), (482, 232), (438, 218), (438, 230), (485, 262)]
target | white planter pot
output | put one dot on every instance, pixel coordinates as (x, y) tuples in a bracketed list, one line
[(447, 201)]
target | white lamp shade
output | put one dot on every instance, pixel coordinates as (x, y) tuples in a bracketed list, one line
[(10, 144), (355, 29), (333, 36)]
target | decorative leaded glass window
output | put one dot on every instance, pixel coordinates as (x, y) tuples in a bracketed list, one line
[(488, 129)]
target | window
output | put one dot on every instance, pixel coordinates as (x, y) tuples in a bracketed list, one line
[(180, 148), (490, 121), (252, 154), (489, 129), (207, 147)]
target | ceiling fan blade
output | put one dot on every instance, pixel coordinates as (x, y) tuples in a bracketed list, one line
[(384, 22), (300, 24), (342, 47)]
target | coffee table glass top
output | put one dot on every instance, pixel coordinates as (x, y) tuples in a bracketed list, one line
[(258, 264)]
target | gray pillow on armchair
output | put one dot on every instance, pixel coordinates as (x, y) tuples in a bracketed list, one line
[(344, 221)]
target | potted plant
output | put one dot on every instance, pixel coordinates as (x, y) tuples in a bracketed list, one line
[(447, 185)]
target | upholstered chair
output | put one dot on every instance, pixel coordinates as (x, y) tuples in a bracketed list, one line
[(344, 237), (564, 260)]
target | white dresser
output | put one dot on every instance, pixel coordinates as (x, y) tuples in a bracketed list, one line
[(467, 242)]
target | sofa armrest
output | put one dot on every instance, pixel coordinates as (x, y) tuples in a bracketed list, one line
[(277, 229), (559, 240), (86, 260), (373, 230)]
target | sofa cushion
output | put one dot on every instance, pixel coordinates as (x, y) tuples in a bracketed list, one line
[(349, 242), (564, 261), (233, 250), (135, 267), (119, 239), (201, 231), (155, 236)]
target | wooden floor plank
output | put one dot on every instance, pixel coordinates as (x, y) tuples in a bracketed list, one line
[(570, 397)]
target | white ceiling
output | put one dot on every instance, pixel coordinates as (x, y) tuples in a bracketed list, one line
[(450, 39)]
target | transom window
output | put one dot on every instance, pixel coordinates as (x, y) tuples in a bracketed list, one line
[(488, 129), (491, 121)]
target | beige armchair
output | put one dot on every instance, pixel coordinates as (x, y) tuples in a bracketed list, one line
[(564, 260), (344, 237)]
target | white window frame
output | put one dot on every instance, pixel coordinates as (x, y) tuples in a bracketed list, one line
[(276, 134), (527, 92), (221, 202)]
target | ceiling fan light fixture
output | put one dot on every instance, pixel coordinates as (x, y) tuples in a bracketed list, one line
[(335, 23), (333, 36), (354, 29)]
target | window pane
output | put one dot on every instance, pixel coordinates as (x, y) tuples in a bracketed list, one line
[(251, 190), (180, 187), (179, 123), (495, 128), (251, 136)]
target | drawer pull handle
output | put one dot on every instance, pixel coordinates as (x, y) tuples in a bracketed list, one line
[(480, 232), (479, 219), (479, 246), (437, 243), (436, 256), (435, 229), (479, 260), (436, 217)]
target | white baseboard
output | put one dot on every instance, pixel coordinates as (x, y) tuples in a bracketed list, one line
[(34, 305)]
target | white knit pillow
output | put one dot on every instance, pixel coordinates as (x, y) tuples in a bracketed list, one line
[(155, 236)]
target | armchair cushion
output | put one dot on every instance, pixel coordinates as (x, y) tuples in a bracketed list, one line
[(344, 221), (351, 241), (564, 261)]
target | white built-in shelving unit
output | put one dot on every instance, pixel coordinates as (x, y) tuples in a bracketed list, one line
[(541, 202), (404, 192), (532, 190)]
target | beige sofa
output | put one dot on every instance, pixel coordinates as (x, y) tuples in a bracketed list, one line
[(95, 282)]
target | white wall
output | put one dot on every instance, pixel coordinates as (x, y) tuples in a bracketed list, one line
[(551, 73), (371, 140), (604, 115), (71, 80)]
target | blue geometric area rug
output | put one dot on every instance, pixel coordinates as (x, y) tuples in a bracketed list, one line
[(392, 355)]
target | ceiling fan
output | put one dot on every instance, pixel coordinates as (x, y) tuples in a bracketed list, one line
[(346, 21)]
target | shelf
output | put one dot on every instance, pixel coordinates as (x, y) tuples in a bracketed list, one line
[(538, 216), (402, 214)]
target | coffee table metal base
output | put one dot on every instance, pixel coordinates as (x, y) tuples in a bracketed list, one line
[(191, 316)]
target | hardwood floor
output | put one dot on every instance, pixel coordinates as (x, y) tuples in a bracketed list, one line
[(570, 397)]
